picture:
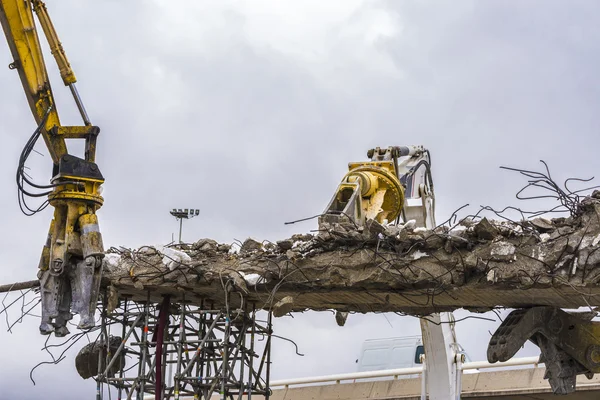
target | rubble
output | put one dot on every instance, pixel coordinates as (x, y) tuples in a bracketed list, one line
[(485, 230), (283, 306), (341, 317), (250, 245), (477, 264), (286, 244), (86, 361), (542, 224)]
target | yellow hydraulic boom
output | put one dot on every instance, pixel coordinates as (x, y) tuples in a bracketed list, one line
[(72, 257)]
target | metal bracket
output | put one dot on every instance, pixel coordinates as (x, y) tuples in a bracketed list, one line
[(72, 166), (569, 343)]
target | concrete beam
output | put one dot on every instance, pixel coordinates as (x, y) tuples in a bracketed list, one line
[(478, 265)]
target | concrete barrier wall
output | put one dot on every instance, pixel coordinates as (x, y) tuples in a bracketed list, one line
[(516, 384)]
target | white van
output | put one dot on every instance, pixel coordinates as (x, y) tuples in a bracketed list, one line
[(392, 353)]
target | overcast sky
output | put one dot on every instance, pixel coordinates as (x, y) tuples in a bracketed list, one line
[(251, 110)]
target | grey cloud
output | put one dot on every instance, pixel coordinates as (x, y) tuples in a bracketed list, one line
[(206, 114)]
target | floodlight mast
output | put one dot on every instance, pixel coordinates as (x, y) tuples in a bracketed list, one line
[(180, 215)]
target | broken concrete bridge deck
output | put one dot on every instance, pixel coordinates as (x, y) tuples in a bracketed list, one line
[(478, 265)]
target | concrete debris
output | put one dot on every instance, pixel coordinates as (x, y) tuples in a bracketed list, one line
[(251, 279), (485, 230), (250, 245), (302, 237), (418, 254), (382, 268), (283, 306), (174, 258), (112, 299), (374, 228), (137, 284), (341, 317), (292, 255), (86, 361), (224, 248), (596, 240), (410, 224), (206, 246), (285, 244), (542, 224), (112, 260), (238, 282), (393, 230), (502, 251)]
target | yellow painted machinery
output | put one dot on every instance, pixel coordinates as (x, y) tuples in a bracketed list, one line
[(395, 183), (395, 186), (71, 260)]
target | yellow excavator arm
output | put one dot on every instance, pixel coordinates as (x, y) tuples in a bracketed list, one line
[(17, 21), (72, 257)]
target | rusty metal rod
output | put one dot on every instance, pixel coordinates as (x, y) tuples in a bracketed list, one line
[(19, 286)]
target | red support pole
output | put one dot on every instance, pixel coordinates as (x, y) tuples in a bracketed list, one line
[(163, 321)]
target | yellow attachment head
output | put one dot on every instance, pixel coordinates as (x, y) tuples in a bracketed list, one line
[(368, 182), (381, 191)]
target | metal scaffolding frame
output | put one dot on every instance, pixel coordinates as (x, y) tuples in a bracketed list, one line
[(179, 349)]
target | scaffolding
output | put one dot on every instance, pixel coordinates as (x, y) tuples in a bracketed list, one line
[(174, 350)]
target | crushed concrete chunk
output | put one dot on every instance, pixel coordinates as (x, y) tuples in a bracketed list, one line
[(341, 317), (224, 248), (485, 230), (86, 361), (113, 299), (239, 282), (285, 244), (148, 250), (374, 228), (206, 245), (503, 251), (410, 224), (251, 279), (112, 260), (393, 230), (292, 254), (306, 237), (457, 229), (542, 224), (174, 258), (283, 306), (250, 245), (269, 247), (138, 284)]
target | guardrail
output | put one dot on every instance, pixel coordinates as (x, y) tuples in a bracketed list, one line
[(399, 372), (476, 365)]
